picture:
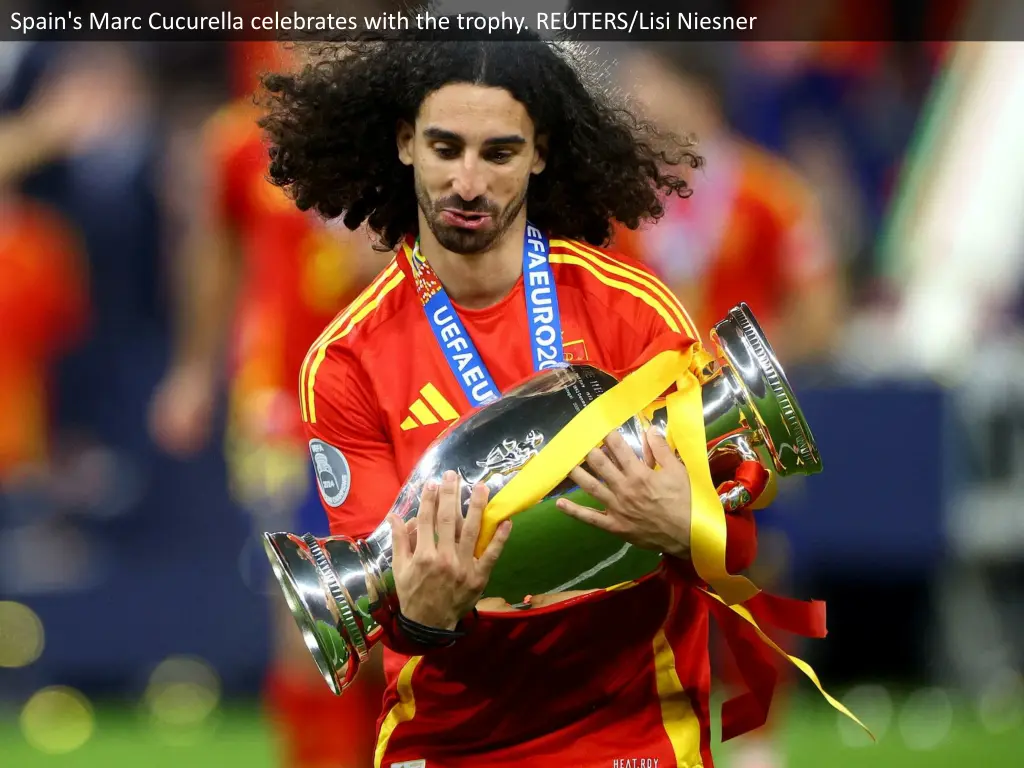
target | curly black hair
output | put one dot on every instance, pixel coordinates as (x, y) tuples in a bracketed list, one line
[(332, 132)]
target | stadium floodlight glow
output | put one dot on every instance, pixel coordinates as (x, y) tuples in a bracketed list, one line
[(57, 720), (22, 638)]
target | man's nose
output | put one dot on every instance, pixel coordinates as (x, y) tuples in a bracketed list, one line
[(469, 182)]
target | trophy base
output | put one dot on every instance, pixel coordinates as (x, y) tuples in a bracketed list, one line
[(320, 608)]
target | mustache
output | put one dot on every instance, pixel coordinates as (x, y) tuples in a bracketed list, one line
[(476, 205)]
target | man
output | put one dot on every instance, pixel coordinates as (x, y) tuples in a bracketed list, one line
[(447, 150), (261, 279)]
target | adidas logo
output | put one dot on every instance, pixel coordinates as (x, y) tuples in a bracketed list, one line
[(429, 409)]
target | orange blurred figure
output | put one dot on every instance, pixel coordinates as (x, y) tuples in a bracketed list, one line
[(43, 306), (260, 280)]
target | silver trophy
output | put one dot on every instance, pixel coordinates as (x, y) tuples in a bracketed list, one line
[(340, 590)]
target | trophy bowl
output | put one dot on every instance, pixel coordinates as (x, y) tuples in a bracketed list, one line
[(341, 590)]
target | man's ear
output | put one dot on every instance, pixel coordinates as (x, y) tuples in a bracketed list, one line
[(405, 133), (540, 154)]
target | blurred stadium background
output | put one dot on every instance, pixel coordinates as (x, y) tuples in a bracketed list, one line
[(888, 180)]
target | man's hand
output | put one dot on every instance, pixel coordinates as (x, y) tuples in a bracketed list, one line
[(438, 582), (181, 412), (649, 508)]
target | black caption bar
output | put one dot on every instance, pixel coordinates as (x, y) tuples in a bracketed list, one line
[(591, 20)]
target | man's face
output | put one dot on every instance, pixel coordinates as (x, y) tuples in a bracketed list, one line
[(472, 150)]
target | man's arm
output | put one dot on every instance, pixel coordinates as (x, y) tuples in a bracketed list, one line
[(352, 455), (814, 286), (205, 288), (26, 142), (207, 276)]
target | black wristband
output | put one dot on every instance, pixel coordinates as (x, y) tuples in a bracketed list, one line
[(429, 637)]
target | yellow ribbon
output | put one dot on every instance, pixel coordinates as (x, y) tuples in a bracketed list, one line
[(686, 435)]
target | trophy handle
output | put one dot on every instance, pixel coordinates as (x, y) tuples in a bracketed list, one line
[(764, 397), (749, 405)]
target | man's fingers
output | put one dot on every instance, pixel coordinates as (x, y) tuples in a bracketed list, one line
[(401, 547), (448, 507), (660, 449), (592, 486), (410, 529), (460, 521), (649, 459), (493, 552), (606, 469), (425, 517), (621, 452), (587, 515), (471, 525)]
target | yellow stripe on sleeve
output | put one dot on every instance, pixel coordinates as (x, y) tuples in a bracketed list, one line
[(333, 327)]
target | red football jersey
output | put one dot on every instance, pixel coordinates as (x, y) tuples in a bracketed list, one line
[(297, 273), (625, 675)]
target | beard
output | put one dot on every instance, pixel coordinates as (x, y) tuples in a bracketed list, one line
[(468, 241)]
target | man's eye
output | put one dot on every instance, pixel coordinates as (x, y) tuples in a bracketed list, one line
[(500, 156), (446, 151)]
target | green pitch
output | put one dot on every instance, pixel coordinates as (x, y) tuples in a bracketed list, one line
[(237, 736)]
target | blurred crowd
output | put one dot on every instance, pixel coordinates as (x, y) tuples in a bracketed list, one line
[(136, 347)]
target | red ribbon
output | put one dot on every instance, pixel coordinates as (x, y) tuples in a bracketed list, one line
[(756, 662)]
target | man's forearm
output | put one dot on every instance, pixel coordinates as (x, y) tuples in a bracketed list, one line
[(681, 539), (208, 284)]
